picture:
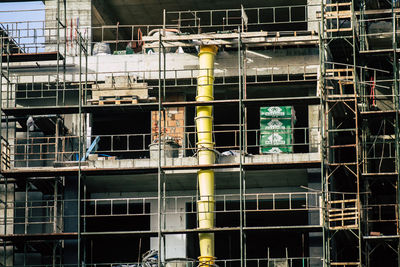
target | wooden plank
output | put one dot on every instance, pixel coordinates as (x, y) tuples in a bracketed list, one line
[(341, 78), (354, 226), (338, 4), (342, 211), (342, 217), (340, 30), (114, 100), (343, 220), (338, 17), (117, 102), (119, 84), (337, 14), (344, 96), (140, 93), (340, 70), (345, 263), (342, 201)]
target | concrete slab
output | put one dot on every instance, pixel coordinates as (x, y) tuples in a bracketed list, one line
[(186, 179), (192, 161)]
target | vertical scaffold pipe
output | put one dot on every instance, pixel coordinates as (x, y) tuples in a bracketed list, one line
[(206, 155)]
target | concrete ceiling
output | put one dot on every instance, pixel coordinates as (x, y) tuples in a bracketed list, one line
[(139, 12), (187, 181)]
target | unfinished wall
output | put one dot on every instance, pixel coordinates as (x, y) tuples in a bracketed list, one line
[(79, 17), (174, 125)]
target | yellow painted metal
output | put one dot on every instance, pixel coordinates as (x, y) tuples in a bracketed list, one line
[(206, 154), (206, 203)]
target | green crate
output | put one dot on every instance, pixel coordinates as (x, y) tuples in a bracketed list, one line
[(276, 129), (277, 112), (268, 125), (278, 141)]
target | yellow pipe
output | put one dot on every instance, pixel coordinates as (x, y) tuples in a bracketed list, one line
[(205, 145)]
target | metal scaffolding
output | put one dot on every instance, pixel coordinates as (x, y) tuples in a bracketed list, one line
[(358, 157), (361, 91)]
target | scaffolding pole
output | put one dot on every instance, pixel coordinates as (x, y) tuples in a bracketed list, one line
[(396, 122)]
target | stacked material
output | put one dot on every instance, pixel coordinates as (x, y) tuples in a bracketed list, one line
[(118, 90), (276, 129)]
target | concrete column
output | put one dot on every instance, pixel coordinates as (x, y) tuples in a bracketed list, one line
[(314, 124), (313, 7), (153, 224), (175, 244)]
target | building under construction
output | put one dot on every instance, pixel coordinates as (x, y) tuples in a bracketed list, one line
[(201, 133)]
